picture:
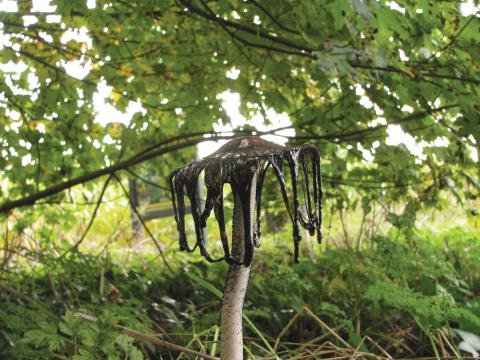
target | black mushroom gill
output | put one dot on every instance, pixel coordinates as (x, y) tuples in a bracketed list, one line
[(236, 163)]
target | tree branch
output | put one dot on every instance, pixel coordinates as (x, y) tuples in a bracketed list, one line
[(346, 136), (61, 71), (304, 50), (31, 199), (162, 148), (420, 74), (257, 31), (273, 18)]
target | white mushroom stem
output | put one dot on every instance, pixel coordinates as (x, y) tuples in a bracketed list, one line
[(231, 338)]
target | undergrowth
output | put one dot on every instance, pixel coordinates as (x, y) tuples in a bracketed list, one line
[(398, 294)]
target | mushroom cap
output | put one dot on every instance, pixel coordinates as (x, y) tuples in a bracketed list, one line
[(247, 146), (236, 163), (254, 148)]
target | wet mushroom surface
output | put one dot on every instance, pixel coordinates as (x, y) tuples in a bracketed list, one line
[(236, 163)]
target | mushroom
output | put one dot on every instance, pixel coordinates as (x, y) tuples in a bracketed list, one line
[(242, 162)]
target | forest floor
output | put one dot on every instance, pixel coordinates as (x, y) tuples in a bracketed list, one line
[(394, 299)]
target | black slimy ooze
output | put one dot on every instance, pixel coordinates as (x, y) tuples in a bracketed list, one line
[(236, 163)]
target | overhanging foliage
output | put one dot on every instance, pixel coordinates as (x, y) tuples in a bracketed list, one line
[(345, 71)]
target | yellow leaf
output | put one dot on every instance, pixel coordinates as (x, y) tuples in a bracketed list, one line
[(115, 95), (115, 129)]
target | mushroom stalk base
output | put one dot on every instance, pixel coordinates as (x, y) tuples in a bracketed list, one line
[(231, 338)]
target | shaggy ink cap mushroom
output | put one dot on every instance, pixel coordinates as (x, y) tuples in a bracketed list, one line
[(236, 163)]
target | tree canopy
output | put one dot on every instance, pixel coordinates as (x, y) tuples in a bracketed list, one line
[(346, 72)]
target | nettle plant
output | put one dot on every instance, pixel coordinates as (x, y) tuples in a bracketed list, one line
[(243, 163)]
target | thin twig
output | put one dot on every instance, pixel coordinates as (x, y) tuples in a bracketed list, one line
[(452, 40), (134, 174), (135, 210), (273, 18), (328, 328), (378, 347), (284, 330), (449, 344), (442, 347), (92, 218)]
